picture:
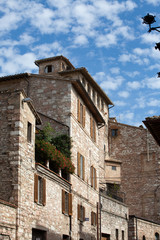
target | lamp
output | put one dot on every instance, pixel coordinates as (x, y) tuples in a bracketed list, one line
[(27, 100), (150, 19)]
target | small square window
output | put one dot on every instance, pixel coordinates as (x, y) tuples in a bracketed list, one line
[(114, 132), (114, 168)]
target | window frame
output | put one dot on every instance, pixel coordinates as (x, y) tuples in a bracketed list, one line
[(29, 132), (93, 128), (39, 190), (93, 218), (81, 213), (66, 203), (81, 113), (81, 166), (93, 177)]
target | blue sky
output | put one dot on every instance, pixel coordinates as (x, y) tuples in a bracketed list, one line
[(107, 37)]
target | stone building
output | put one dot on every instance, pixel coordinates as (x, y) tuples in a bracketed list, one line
[(40, 203)]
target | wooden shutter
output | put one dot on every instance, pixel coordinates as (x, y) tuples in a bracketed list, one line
[(83, 214), (78, 111), (63, 201), (44, 192), (91, 127), (35, 187), (91, 218), (95, 218), (78, 211), (78, 164), (70, 204), (84, 115), (92, 176), (83, 168), (95, 180)]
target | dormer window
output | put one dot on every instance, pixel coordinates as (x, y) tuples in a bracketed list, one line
[(49, 68)]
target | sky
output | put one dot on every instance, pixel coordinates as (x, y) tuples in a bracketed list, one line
[(106, 37)]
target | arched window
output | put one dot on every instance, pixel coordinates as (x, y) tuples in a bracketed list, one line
[(49, 68), (144, 238), (156, 236)]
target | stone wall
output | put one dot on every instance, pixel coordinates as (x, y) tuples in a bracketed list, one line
[(7, 220), (142, 229), (114, 215), (139, 154)]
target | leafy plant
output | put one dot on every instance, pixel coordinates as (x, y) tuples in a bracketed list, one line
[(54, 149)]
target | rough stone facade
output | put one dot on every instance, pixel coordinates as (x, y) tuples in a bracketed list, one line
[(7, 220), (58, 97), (115, 214), (140, 168), (140, 228)]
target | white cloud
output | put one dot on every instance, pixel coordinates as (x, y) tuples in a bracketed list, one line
[(134, 85), (153, 83), (112, 83), (115, 70), (119, 103), (106, 40), (132, 74), (123, 94), (154, 2), (153, 102), (81, 40), (150, 38)]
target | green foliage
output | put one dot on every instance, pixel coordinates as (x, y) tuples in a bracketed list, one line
[(57, 150), (63, 144)]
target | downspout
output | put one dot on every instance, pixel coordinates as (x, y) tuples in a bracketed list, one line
[(70, 223), (136, 230)]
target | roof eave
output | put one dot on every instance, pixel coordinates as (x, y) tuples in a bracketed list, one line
[(89, 103)]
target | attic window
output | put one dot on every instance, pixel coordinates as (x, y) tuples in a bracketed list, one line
[(114, 132), (63, 67), (49, 68)]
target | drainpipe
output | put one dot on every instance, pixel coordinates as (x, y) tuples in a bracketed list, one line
[(136, 230)]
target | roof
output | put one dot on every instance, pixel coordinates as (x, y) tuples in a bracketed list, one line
[(88, 102), (153, 125), (91, 80), (15, 76), (37, 62)]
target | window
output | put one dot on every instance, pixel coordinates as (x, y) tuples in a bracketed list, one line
[(29, 132), (143, 238), (114, 168), (66, 203), (93, 129), (63, 67), (122, 235), (81, 213), (98, 101), (114, 132), (156, 236), (89, 89), (65, 237), (81, 166), (93, 177), (116, 234), (93, 95), (49, 68), (38, 234), (81, 113), (93, 218), (102, 105), (83, 82), (39, 190)]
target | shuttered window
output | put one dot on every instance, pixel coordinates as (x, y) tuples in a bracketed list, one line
[(93, 177), (80, 166), (39, 190), (93, 129), (81, 212), (81, 113), (66, 203), (93, 218)]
